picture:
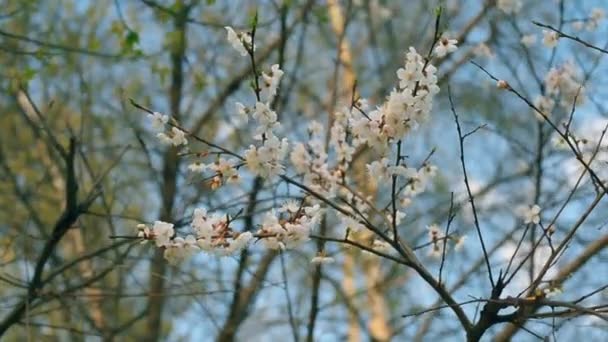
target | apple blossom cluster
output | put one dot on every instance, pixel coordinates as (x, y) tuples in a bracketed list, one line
[(211, 233), (288, 227), (406, 106), (175, 136), (323, 166), (223, 171), (265, 160), (592, 22), (563, 82)]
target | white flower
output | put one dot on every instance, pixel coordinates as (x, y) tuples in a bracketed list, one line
[(315, 128), (239, 41), (399, 215), (596, 16), (321, 259), (530, 214), (445, 46), (433, 232), (460, 243), (509, 6), (158, 120), (552, 292), (242, 112), (197, 167), (145, 233), (179, 137), (378, 169), (176, 138), (267, 161), (225, 170), (550, 38), (270, 83), (290, 207), (163, 232), (528, 40), (559, 142), (266, 118), (164, 139), (502, 84), (563, 82), (436, 251), (281, 234)]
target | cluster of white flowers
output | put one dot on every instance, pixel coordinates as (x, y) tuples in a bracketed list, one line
[(529, 214), (212, 233), (323, 166), (266, 160), (404, 108), (596, 16), (592, 22), (562, 82), (436, 239), (509, 6), (223, 171), (439, 241), (240, 41), (175, 136), (311, 161), (289, 227)]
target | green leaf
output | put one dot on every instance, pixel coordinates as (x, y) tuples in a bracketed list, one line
[(132, 38)]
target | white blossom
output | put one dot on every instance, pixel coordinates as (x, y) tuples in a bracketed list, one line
[(242, 112), (270, 83), (177, 137), (267, 160), (550, 38), (528, 40), (162, 232), (530, 214), (596, 16), (509, 6), (445, 46), (158, 120), (459, 245), (239, 41), (266, 119), (197, 167), (563, 83)]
